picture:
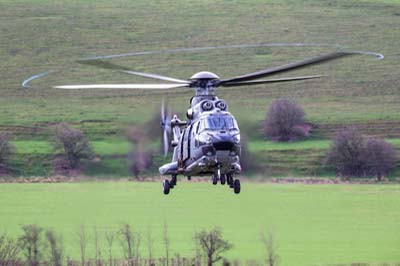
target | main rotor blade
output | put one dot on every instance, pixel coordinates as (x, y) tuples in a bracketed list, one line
[(102, 64), (122, 86), (288, 67), (256, 82), (155, 76)]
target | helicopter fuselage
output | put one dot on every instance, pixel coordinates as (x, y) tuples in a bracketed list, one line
[(208, 143)]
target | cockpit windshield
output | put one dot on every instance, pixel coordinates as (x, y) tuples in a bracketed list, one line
[(219, 122)]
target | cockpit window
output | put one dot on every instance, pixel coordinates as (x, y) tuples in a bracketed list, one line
[(219, 123)]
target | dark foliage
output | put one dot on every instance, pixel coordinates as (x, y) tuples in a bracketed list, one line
[(6, 151), (72, 147), (212, 244), (352, 154), (285, 122)]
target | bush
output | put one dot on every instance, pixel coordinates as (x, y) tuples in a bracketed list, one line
[(285, 121), (72, 147), (6, 150), (380, 157), (352, 154)]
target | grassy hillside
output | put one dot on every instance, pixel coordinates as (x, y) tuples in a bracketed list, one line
[(312, 225), (38, 36)]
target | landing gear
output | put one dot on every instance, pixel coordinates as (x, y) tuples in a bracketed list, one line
[(166, 187), (169, 184), (229, 180), (215, 179), (236, 186), (222, 179), (172, 183)]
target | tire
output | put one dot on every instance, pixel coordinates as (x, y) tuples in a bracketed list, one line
[(215, 179), (166, 187), (236, 186), (222, 179)]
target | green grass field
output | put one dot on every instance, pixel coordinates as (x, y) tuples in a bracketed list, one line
[(312, 224)]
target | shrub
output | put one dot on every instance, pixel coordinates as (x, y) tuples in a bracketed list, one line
[(352, 154), (72, 147), (6, 150), (380, 157), (285, 121)]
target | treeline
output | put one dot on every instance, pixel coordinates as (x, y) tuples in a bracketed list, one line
[(42, 246)]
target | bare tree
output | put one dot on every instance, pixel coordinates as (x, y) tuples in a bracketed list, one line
[(167, 242), (72, 147), (130, 243), (212, 244), (6, 150), (31, 243), (269, 243), (150, 243), (82, 239), (97, 247), (346, 152), (379, 157), (110, 235), (9, 251), (56, 248), (285, 121)]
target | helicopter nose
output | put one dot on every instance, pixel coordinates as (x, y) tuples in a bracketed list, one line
[(223, 142)]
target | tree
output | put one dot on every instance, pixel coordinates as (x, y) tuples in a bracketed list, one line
[(9, 251), (212, 244), (380, 157), (72, 146), (269, 243), (6, 150), (346, 152), (285, 121)]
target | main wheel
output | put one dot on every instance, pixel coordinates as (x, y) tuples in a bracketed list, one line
[(166, 187), (172, 183), (215, 179), (236, 186), (222, 179)]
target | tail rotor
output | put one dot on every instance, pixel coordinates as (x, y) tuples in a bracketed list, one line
[(166, 126)]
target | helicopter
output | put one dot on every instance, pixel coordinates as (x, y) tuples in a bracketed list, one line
[(208, 142)]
